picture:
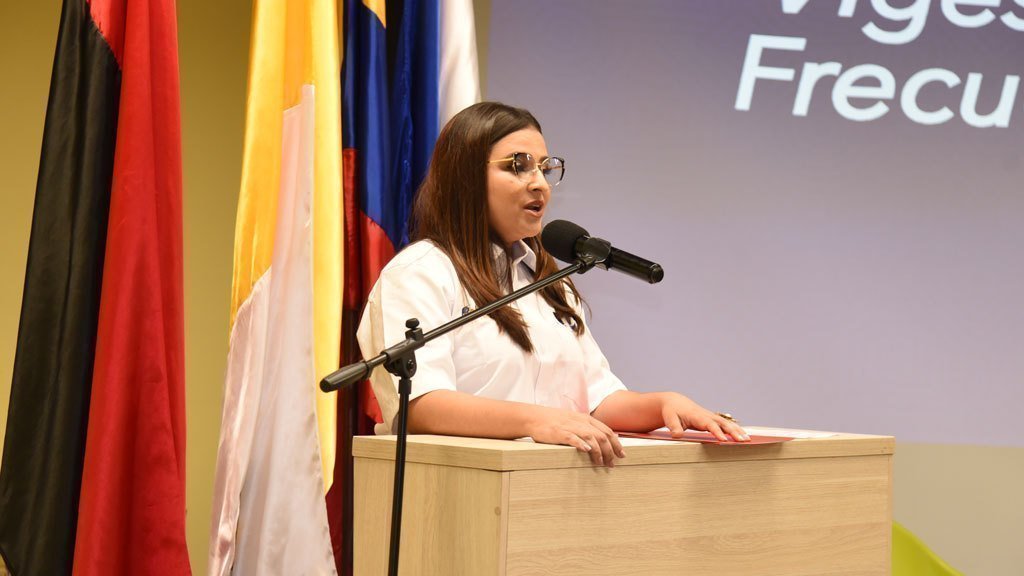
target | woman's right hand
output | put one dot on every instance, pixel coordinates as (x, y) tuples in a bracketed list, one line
[(582, 431)]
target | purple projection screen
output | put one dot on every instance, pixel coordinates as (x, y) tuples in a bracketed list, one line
[(835, 189)]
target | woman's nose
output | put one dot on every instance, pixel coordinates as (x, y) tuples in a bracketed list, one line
[(538, 181)]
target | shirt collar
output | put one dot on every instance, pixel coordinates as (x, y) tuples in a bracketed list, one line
[(520, 252)]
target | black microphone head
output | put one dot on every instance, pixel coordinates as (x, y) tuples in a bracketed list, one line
[(559, 239)]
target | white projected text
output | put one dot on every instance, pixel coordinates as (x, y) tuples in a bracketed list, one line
[(866, 91)]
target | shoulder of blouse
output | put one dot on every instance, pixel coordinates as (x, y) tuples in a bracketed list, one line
[(424, 261), (421, 269), (420, 254)]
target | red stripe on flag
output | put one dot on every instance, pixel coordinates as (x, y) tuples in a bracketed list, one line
[(352, 293), (357, 407), (367, 250), (377, 252), (132, 512), (109, 18), (367, 246)]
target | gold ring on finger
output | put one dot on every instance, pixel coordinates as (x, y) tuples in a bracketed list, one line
[(728, 417)]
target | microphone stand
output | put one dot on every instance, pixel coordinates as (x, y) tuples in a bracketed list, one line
[(400, 360)]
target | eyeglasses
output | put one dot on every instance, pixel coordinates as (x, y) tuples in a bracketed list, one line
[(524, 165)]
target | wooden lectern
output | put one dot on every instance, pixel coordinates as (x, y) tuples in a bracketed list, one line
[(480, 507)]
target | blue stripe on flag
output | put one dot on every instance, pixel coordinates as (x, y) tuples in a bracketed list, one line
[(365, 114), (393, 136), (414, 102)]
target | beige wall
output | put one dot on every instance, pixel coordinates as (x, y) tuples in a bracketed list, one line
[(26, 52), (214, 52), (964, 501)]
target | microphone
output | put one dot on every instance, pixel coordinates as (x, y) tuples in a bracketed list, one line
[(570, 242)]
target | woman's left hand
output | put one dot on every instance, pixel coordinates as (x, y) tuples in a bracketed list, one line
[(680, 413)]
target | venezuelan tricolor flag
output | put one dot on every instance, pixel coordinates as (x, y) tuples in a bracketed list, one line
[(390, 127), (409, 66)]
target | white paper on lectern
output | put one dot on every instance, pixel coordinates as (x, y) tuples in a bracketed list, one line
[(786, 432)]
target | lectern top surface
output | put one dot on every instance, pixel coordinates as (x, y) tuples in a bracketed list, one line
[(506, 455)]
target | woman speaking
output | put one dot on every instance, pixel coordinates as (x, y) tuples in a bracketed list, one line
[(528, 369)]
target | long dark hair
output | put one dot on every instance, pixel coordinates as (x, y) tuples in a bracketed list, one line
[(450, 210)]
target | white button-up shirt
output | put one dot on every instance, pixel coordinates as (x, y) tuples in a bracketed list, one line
[(564, 370)]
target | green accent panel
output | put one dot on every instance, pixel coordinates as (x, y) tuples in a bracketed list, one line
[(910, 556)]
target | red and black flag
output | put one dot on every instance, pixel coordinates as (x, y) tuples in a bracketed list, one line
[(93, 476)]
